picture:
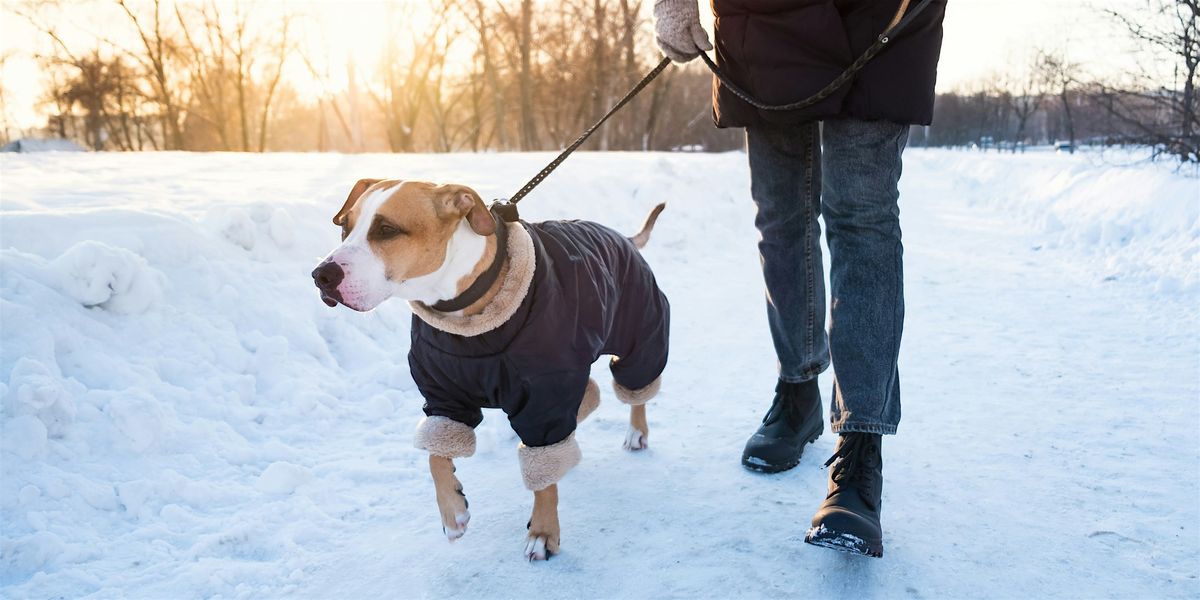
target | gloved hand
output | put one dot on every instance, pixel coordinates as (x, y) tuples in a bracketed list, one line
[(677, 29)]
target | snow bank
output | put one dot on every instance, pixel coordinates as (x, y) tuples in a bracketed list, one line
[(1136, 219), (183, 417)]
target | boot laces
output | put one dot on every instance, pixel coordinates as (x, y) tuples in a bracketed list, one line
[(786, 405), (854, 461)]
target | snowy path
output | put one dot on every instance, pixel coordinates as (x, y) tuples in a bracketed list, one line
[(1049, 445)]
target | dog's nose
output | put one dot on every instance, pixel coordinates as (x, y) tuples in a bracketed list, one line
[(328, 275)]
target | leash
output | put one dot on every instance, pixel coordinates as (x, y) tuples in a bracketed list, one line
[(506, 208)]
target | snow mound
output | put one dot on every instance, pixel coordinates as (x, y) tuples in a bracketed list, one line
[(250, 227), (34, 390), (282, 478), (25, 436), (138, 417), (1135, 219), (115, 279)]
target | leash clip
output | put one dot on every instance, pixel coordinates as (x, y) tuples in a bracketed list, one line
[(507, 211)]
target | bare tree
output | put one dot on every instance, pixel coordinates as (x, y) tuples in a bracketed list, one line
[(529, 138), (7, 129), (483, 22), (1167, 28), (1060, 76), (157, 47), (1026, 92)]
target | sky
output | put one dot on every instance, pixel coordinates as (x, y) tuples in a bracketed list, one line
[(982, 38)]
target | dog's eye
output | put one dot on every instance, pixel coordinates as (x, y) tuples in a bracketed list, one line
[(387, 230)]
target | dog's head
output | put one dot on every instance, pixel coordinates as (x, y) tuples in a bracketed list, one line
[(409, 239)]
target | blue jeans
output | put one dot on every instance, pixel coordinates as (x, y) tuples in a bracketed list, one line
[(846, 170)]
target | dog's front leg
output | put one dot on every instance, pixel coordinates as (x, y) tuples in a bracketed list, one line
[(446, 439), (452, 503), (541, 468), (542, 542)]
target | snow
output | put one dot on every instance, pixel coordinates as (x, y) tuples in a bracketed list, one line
[(282, 478), (183, 417)]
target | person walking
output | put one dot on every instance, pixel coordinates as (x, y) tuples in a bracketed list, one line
[(840, 159)]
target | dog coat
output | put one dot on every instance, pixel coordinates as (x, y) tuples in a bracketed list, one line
[(574, 291)]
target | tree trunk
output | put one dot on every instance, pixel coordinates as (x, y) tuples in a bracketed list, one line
[(529, 139)]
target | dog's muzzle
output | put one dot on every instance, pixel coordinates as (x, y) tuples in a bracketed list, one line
[(328, 276)]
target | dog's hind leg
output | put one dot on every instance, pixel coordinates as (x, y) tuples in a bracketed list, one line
[(637, 437), (591, 400)]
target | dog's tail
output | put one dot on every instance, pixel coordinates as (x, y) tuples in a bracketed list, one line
[(640, 238)]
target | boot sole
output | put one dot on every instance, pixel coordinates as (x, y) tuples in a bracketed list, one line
[(843, 542), (764, 467)]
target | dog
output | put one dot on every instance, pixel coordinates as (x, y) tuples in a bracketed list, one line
[(508, 316)]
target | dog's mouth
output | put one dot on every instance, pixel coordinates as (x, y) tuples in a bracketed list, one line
[(331, 298)]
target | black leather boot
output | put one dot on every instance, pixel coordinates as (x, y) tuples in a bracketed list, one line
[(848, 520), (793, 421)]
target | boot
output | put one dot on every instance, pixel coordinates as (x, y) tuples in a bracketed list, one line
[(793, 421), (848, 520)]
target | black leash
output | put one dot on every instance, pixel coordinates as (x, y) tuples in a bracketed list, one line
[(506, 209)]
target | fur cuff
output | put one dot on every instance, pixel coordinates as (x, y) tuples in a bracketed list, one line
[(518, 275), (443, 436), (636, 397), (591, 400), (543, 466)]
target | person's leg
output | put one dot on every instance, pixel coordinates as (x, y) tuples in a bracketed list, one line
[(862, 167), (862, 221), (785, 182)]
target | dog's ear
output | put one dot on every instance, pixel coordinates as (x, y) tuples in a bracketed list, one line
[(465, 202), (355, 192)]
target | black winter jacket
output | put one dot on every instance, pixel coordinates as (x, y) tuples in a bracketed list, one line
[(781, 51), (591, 294)]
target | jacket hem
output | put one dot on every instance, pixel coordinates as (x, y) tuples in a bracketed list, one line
[(544, 466), (638, 396), (443, 436)]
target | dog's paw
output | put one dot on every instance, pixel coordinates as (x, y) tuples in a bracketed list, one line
[(540, 547), (635, 440), (458, 527)]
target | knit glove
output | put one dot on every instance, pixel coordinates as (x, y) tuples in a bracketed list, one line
[(677, 29)]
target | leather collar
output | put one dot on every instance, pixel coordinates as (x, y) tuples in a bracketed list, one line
[(484, 282)]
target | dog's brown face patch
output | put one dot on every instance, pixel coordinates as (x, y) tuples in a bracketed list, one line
[(409, 230), (395, 234)]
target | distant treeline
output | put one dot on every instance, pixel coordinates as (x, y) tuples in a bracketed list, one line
[(475, 75), (1091, 115)]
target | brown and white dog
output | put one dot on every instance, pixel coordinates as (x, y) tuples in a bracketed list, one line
[(430, 244)]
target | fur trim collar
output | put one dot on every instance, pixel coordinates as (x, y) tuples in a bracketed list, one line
[(517, 278)]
